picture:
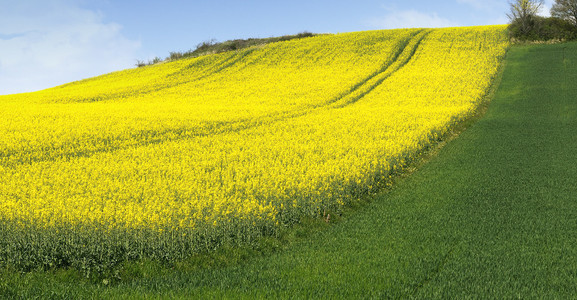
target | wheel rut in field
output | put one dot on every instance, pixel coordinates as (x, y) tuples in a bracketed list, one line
[(400, 58)]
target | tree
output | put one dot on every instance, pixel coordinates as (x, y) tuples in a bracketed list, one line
[(523, 13), (565, 9)]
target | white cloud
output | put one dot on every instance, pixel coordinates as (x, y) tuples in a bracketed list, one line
[(476, 3), (44, 43), (546, 10), (500, 5), (479, 4), (500, 20), (409, 19)]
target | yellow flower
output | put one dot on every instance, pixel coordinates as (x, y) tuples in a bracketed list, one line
[(238, 138)]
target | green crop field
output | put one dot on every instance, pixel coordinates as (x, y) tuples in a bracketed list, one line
[(491, 214)]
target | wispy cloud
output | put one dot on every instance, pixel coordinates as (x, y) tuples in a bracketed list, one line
[(479, 4), (546, 11), (409, 19), (44, 43), (493, 6)]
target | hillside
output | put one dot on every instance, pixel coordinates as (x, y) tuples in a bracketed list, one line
[(491, 216), (221, 150)]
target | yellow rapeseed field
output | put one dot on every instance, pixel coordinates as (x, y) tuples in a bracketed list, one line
[(189, 154)]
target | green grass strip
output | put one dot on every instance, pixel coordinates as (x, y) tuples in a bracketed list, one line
[(492, 215)]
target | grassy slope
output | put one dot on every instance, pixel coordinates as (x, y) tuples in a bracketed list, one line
[(512, 178), (492, 215)]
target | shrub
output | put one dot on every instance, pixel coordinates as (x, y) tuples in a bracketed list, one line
[(213, 46), (543, 29)]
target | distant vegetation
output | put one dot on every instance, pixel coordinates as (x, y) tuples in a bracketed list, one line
[(527, 26), (212, 47), (543, 29)]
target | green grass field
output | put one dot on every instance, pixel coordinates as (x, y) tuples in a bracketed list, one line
[(493, 214)]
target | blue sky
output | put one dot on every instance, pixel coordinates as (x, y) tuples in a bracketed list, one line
[(44, 43)]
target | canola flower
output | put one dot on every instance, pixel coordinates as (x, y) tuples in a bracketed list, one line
[(186, 155)]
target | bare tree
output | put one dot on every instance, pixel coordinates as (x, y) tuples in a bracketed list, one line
[(523, 12), (565, 9)]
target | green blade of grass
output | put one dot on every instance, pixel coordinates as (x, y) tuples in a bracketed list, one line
[(493, 215)]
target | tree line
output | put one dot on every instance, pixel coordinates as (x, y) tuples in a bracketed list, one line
[(527, 25)]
